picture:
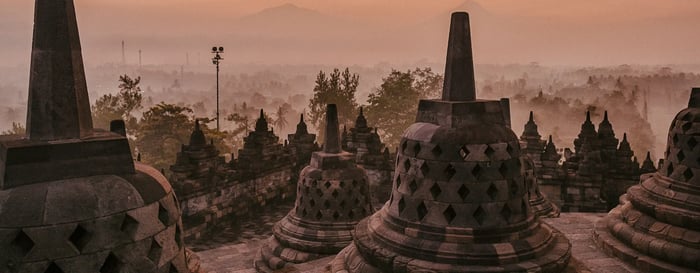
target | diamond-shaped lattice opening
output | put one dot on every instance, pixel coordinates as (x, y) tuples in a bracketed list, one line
[(357, 201), (463, 192), (22, 243), (670, 168), (680, 155), (351, 214), (688, 174), (314, 183), (489, 151), (402, 205), (449, 214), (173, 269), (335, 194), (327, 184), (342, 204), (686, 117), (416, 148), (523, 207), (675, 139), (450, 172), (510, 150), (476, 171), (404, 145), (464, 152), (319, 192), (424, 168), (479, 215), (355, 183), (492, 191), (422, 211), (406, 164), (327, 204), (304, 213), (53, 268), (178, 236), (437, 151), (155, 252), (686, 126), (307, 190), (312, 203), (398, 181), (503, 169), (341, 184), (336, 215), (112, 264), (435, 190), (692, 143), (413, 186), (513, 187), (129, 225), (163, 215), (319, 215), (79, 238), (506, 213)]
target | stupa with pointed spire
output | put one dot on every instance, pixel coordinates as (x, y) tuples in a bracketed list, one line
[(73, 199), (332, 196), (459, 202), (550, 175), (261, 151), (302, 144), (196, 164), (364, 142), (623, 172), (648, 165), (655, 227), (531, 142)]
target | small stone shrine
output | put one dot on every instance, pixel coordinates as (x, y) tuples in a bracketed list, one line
[(261, 150), (656, 227), (551, 174), (531, 142), (71, 197), (459, 200), (332, 196), (302, 144), (196, 163), (648, 165)]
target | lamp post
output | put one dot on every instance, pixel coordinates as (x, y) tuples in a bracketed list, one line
[(216, 60)]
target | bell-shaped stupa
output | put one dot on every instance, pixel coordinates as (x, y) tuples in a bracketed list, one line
[(656, 227), (459, 200), (332, 196)]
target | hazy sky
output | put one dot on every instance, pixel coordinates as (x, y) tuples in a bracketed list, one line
[(549, 31)]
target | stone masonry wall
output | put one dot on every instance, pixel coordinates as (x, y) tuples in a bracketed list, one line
[(203, 210)]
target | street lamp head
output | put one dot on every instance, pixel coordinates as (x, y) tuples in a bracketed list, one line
[(221, 49)]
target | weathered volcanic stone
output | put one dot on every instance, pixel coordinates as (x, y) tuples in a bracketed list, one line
[(656, 227), (459, 200), (332, 196), (71, 197), (539, 203)]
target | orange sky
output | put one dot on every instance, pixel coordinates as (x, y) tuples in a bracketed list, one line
[(181, 25)]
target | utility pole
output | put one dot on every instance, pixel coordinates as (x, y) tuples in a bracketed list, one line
[(123, 53), (216, 60), (139, 58)]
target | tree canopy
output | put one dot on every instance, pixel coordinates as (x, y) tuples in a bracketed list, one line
[(338, 88)]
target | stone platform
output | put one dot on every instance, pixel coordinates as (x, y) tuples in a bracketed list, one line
[(232, 249)]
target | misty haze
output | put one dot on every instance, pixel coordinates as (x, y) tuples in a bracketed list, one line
[(234, 102)]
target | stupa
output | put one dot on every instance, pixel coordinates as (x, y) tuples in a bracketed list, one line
[(332, 196), (656, 227), (459, 200), (71, 197)]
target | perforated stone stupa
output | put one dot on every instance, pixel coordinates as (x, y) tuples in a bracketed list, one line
[(71, 197), (656, 227), (459, 200), (332, 196)]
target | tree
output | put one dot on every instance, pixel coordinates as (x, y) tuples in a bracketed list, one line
[(281, 121), (120, 106), (17, 130), (338, 88), (393, 106), (162, 130)]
